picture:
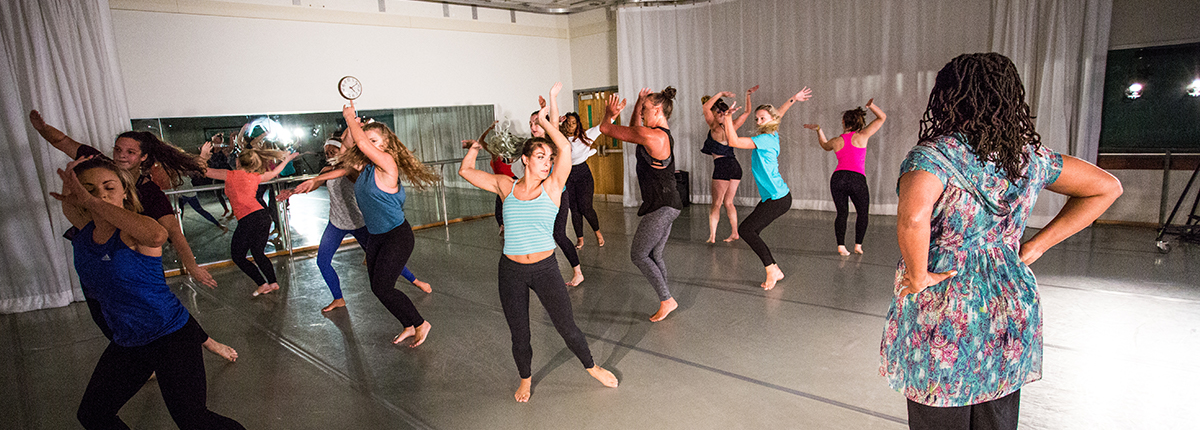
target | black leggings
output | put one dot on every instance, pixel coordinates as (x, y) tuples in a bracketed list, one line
[(179, 364), (844, 185), (544, 279), (387, 254), (560, 232), (251, 235), (270, 203), (582, 187), (999, 414), (762, 216)]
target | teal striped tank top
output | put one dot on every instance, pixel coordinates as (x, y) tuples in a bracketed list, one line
[(528, 225)]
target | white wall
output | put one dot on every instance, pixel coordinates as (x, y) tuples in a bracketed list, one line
[(593, 49)]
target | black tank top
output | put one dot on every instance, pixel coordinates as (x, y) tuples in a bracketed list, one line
[(657, 185), (712, 147)]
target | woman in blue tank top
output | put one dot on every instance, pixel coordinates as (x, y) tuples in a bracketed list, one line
[(119, 254), (379, 158), (530, 208)]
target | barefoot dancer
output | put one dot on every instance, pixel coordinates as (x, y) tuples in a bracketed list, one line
[(137, 152), (118, 253), (379, 158), (727, 173), (656, 180), (560, 220), (849, 180), (254, 224), (528, 263), (776, 197), (580, 185)]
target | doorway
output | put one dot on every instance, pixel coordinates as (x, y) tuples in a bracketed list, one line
[(608, 165)]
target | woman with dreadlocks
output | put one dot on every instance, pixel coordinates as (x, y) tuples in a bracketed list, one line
[(964, 333), (849, 180)]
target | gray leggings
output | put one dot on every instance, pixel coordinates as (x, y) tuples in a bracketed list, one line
[(647, 248)]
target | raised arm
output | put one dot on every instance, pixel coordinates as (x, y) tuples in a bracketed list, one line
[(56, 138), (731, 131), (635, 119), (554, 104), (826, 144), (876, 123), (709, 117), (1091, 190), (209, 172), (562, 163), (485, 181), (144, 230), (803, 95), (279, 168), (634, 133), (741, 119), (382, 160)]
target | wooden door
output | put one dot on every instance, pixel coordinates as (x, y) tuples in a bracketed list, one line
[(608, 165)]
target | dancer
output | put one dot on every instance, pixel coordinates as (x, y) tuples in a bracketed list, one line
[(727, 172), (849, 180), (656, 180), (528, 262), (964, 333), (192, 199), (118, 253), (775, 194), (560, 220), (376, 154), (344, 218), (254, 224), (580, 185), (136, 152)]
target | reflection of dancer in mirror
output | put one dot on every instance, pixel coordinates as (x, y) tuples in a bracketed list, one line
[(580, 185), (118, 253), (764, 164), (137, 152), (344, 218), (376, 154), (528, 263), (560, 221), (964, 333), (254, 224), (656, 179), (193, 199), (849, 180), (727, 172)]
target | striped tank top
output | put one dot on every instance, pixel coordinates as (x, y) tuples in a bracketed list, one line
[(528, 224)]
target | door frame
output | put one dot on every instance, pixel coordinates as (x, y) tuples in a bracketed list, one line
[(575, 102)]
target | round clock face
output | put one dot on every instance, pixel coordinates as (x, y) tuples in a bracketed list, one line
[(350, 87)]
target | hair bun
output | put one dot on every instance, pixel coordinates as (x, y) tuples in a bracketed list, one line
[(669, 93), (705, 99)]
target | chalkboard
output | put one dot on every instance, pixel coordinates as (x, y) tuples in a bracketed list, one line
[(1165, 117)]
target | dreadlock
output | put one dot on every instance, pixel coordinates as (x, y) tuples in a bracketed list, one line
[(981, 97)]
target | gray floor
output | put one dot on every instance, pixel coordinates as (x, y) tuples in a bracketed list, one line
[(1121, 340)]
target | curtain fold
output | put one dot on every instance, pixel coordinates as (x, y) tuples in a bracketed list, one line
[(849, 51), (57, 56)]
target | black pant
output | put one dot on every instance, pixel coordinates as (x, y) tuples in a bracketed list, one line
[(762, 216), (582, 187), (387, 254), (270, 203), (560, 231), (251, 235), (844, 185), (122, 371), (544, 279), (999, 414)]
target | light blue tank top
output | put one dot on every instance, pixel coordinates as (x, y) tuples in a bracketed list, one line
[(529, 225), (382, 211)]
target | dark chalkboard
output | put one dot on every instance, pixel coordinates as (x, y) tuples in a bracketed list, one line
[(1165, 117)]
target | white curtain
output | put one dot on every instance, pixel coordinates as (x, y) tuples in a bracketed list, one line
[(849, 52), (57, 56)]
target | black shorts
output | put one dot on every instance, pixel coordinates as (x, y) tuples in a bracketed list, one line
[(727, 169)]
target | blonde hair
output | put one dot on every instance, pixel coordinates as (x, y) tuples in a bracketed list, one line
[(420, 175), (128, 182), (253, 160), (772, 125)]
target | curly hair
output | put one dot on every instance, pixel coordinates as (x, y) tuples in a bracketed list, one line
[(254, 160), (772, 125), (579, 133), (854, 119), (175, 161), (981, 97), (128, 182), (420, 175)]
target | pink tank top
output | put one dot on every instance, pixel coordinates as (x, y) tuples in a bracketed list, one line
[(851, 157)]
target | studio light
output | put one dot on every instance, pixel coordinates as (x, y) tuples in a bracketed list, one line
[(1134, 91), (1194, 89)]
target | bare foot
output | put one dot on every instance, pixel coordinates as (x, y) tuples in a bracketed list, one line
[(265, 289), (712, 239), (858, 248), (732, 238), (422, 333), (577, 279), (424, 286), (336, 303), (773, 276), (223, 228), (579, 244), (604, 376), (664, 309), (522, 394), (599, 239), (842, 250), (407, 333), (220, 349)]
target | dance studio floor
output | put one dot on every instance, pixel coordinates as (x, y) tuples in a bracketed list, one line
[(1121, 340)]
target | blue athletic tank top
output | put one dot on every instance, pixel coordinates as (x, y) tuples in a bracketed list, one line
[(528, 225), (134, 297), (382, 211)]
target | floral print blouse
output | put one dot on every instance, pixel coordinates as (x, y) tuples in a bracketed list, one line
[(976, 336)]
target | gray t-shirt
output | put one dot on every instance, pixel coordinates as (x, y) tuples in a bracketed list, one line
[(343, 208)]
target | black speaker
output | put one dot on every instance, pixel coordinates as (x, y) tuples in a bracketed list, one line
[(685, 191)]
